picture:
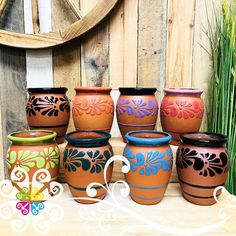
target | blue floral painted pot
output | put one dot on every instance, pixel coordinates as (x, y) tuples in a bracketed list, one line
[(151, 161), (136, 109), (85, 157)]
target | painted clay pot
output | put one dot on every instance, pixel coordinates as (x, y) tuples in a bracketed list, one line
[(136, 109), (48, 108), (202, 164), (84, 160), (93, 109), (33, 150), (181, 112), (151, 160)]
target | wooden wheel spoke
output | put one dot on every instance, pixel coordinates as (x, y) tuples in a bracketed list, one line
[(46, 40)]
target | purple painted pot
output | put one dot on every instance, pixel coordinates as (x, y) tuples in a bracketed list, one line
[(136, 109)]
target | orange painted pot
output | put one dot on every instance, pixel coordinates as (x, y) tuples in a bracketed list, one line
[(136, 109), (33, 150), (151, 160), (48, 108), (202, 164), (85, 157), (181, 112), (93, 109)]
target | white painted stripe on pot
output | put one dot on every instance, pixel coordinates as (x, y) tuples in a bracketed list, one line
[(39, 64)]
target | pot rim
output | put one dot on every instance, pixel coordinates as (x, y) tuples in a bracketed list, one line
[(137, 91), (148, 141), (92, 89), (186, 91), (88, 142), (50, 136), (57, 90), (220, 141)]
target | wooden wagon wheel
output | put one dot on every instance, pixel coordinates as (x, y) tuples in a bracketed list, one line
[(46, 40)]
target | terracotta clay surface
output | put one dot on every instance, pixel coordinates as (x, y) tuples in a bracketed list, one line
[(202, 164), (84, 160), (151, 160), (181, 112), (33, 150), (136, 109), (93, 109), (48, 108)]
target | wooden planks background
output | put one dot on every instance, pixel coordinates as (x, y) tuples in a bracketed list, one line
[(146, 43)]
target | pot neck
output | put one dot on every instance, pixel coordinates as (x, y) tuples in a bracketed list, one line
[(183, 92), (137, 91), (148, 138), (32, 137), (92, 90), (88, 138)]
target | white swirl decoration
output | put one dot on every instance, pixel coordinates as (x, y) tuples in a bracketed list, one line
[(92, 192)]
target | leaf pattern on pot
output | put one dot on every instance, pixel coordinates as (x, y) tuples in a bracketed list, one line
[(73, 159), (206, 164), (182, 109), (51, 157), (93, 161), (137, 107), (30, 108), (93, 106), (25, 159), (65, 105), (153, 162)]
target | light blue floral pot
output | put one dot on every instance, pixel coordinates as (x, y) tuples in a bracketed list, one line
[(151, 160)]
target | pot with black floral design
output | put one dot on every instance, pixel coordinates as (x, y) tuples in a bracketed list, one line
[(33, 150), (93, 109), (48, 108), (202, 164), (151, 161), (182, 111), (136, 109), (85, 157)]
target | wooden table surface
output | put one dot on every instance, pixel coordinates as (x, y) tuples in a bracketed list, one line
[(119, 215)]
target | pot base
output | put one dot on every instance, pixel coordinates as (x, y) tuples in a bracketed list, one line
[(175, 138), (145, 202), (208, 201), (91, 201)]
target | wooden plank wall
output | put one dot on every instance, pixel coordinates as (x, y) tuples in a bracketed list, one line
[(145, 43), (12, 79)]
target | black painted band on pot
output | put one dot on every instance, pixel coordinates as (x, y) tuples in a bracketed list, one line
[(137, 91), (84, 138), (57, 90), (204, 139)]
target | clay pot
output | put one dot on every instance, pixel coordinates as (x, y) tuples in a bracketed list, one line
[(33, 150), (202, 164), (48, 108), (136, 109), (84, 160), (181, 112), (93, 109), (151, 160)]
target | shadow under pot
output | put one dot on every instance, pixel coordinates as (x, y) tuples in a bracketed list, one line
[(202, 164), (151, 161), (181, 111), (32, 151), (85, 157), (136, 109), (93, 109), (48, 108)]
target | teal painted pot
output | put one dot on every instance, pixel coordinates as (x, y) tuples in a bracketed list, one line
[(151, 161), (85, 157)]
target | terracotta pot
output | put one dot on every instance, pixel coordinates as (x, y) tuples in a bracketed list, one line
[(202, 165), (181, 111), (33, 150), (93, 109), (48, 108), (151, 160), (84, 160), (136, 109)]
